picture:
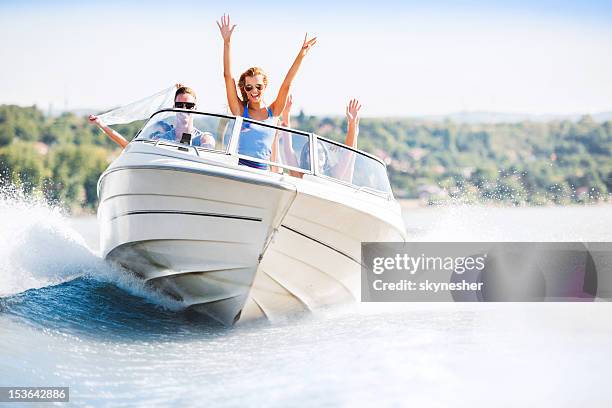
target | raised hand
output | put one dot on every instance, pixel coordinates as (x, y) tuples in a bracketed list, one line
[(114, 135), (352, 111), (224, 27), (307, 44)]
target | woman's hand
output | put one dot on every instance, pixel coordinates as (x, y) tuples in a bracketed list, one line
[(307, 45), (96, 120), (352, 111), (224, 27)]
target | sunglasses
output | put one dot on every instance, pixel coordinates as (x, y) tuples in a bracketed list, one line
[(184, 105), (249, 88)]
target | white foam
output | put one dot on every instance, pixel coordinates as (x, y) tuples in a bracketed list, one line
[(38, 248), (477, 223)]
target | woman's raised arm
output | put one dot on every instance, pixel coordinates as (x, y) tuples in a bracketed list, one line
[(230, 84), (113, 134), (279, 103), (346, 164), (289, 155), (352, 117)]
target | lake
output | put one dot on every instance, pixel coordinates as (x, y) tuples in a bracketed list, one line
[(69, 319)]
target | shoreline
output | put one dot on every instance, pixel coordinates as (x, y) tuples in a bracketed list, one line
[(415, 203)]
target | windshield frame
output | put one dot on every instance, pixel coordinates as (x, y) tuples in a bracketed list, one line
[(232, 147), (387, 194), (278, 128), (344, 146), (227, 150)]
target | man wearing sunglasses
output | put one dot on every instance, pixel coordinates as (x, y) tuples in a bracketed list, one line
[(185, 98)]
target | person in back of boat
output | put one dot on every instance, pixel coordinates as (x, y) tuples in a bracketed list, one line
[(184, 98), (255, 140), (343, 169)]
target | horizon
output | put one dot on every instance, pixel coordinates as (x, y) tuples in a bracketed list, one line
[(401, 60)]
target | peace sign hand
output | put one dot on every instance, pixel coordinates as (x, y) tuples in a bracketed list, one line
[(224, 27), (307, 44)]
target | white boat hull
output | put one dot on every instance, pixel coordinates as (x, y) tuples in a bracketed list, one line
[(238, 244)]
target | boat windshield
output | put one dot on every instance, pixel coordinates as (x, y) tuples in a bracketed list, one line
[(207, 131), (340, 162), (214, 131), (253, 150), (334, 160)]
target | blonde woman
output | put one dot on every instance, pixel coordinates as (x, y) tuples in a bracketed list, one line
[(256, 141)]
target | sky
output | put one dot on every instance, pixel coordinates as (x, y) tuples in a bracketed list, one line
[(400, 58)]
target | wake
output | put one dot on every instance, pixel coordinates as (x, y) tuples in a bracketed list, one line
[(39, 248)]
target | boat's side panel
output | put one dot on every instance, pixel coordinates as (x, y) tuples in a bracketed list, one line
[(197, 236), (314, 259)]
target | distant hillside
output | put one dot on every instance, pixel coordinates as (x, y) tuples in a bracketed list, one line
[(500, 117), (473, 117), (525, 162)]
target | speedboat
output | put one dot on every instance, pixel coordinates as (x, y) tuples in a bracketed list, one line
[(235, 242)]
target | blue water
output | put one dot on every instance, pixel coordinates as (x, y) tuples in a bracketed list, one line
[(67, 318), (85, 306)]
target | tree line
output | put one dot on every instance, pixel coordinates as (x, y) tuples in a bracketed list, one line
[(531, 163), (60, 158)]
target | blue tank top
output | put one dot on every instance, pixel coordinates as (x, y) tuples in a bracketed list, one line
[(256, 141)]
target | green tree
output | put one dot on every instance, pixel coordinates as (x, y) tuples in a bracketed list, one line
[(22, 165)]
